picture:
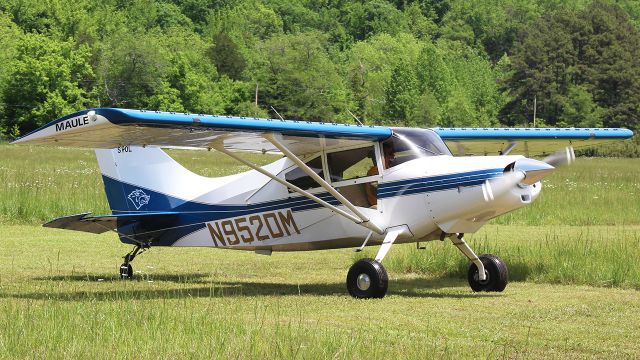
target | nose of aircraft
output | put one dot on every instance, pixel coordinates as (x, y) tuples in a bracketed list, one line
[(534, 170)]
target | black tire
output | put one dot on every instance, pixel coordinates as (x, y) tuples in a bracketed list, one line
[(126, 271), (367, 279), (497, 274)]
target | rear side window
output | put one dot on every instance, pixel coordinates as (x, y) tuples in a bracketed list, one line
[(300, 179)]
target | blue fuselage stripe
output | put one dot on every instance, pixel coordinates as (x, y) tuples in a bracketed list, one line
[(192, 216), (160, 201), (436, 183)]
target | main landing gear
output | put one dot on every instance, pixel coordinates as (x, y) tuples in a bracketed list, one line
[(126, 270), (487, 272), (368, 279)]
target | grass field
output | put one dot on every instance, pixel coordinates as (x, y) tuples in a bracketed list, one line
[(61, 298), (573, 258)]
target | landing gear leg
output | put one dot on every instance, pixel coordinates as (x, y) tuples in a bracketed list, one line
[(126, 270), (367, 278), (487, 272)]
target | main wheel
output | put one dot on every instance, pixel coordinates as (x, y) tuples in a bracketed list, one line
[(126, 271), (367, 279), (496, 271)]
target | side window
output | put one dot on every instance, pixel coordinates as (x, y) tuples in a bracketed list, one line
[(351, 164), (300, 179)]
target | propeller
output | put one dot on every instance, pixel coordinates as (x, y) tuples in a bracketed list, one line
[(536, 170), (565, 156), (527, 171), (499, 185)]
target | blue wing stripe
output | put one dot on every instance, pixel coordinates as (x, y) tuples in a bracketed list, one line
[(289, 127)]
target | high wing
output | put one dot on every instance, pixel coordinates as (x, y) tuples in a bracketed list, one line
[(529, 141), (111, 128)]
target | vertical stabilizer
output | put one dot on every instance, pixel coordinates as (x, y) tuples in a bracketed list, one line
[(138, 179)]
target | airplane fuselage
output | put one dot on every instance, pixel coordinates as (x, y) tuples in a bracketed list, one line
[(426, 197)]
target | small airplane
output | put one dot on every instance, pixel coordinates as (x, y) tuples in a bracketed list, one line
[(336, 186)]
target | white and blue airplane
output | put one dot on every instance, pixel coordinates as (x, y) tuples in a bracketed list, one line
[(336, 186)]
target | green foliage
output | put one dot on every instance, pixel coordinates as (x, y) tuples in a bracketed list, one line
[(299, 80), (47, 79), (490, 25), (9, 36), (411, 63), (132, 69), (582, 66), (369, 70), (579, 109), (461, 84), (371, 17), (227, 57), (402, 92)]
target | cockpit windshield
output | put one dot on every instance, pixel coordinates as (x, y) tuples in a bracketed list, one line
[(409, 144)]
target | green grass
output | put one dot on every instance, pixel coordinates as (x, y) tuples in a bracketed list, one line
[(572, 257), (60, 298)]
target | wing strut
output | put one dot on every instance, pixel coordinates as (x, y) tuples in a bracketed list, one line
[(363, 219), (512, 144), (298, 190)]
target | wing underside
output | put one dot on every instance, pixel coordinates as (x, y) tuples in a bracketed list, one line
[(529, 141)]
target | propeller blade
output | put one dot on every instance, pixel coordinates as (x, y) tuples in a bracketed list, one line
[(498, 186), (565, 156)]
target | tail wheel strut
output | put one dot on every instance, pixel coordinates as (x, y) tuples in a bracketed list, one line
[(126, 270)]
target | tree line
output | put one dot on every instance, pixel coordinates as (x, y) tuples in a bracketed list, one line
[(409, 63)]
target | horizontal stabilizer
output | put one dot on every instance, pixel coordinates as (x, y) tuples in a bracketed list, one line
[(100, 224)]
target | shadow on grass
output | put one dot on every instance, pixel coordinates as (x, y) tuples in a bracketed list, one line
[(189, 278), (413, 288), (517, 272)]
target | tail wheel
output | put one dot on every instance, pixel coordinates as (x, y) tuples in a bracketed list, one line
[(367, 279), (496, 271), (126, 271)]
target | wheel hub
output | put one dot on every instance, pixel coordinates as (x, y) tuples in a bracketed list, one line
[(363, 282), (486, 277)]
